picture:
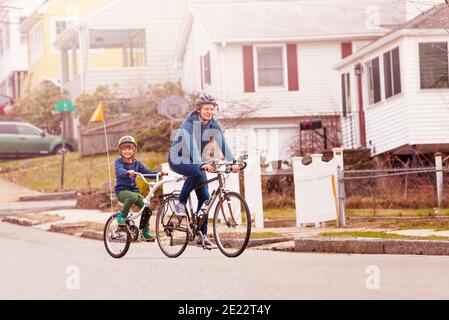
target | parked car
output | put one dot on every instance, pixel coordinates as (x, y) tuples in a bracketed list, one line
[(22, 140)]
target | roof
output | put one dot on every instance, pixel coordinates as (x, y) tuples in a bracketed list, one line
[(234, 22), (288, 21), (433, 21)]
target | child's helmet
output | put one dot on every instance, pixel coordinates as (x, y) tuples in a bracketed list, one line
[(127, 139)]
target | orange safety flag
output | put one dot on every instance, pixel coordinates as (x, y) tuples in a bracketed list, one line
[(98, 114)]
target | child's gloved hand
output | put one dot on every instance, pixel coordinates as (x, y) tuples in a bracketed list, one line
[(131, 173)]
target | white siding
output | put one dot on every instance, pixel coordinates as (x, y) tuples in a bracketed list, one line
[(429, 109), (162, 20), (318, 82), (414, 116), (126, 80), (198, 45), (15, 57)]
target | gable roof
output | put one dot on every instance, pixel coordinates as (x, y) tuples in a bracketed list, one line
[(432, 21), (261, 21), (251, 21)]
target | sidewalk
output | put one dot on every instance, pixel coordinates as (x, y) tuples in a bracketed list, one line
[(290, 239), (10, 192)]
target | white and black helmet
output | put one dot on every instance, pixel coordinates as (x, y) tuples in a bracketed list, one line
[(205, 98)]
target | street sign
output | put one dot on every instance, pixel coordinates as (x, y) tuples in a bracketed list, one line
[(65, 105)]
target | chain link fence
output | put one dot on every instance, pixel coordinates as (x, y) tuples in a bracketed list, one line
[(406, 188)]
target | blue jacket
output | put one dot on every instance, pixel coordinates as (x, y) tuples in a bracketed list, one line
[(193, 136), (123, 180)]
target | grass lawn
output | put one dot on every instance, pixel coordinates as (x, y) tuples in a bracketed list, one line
[(280, 214), (260, 235), (376, 234), (394, 212), (44, 173)]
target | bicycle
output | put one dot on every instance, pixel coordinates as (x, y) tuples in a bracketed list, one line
[(231, 220), (117, 238)]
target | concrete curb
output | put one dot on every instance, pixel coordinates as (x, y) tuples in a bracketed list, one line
[(63, 227), (372, 246), (264, 241), (90, 234), (4, 212), (21, 221), (50, 196)]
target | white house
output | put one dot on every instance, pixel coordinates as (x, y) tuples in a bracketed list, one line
[(13, 49), (139, 38), (275, 59), (395, 91)]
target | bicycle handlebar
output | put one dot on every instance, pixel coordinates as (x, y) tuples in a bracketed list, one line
[(228, 165)]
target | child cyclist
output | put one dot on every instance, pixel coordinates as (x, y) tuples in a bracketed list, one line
[(126, 187)]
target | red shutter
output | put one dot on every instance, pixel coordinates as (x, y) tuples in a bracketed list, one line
[(346, 49), (208, 79), (292, 63), (201, 72), (248, 68)]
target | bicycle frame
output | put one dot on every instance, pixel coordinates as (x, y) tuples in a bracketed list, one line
[(153, 186)]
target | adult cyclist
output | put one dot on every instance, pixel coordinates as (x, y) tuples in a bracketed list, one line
[(196, 131)]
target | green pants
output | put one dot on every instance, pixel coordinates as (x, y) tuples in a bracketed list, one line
[(128, 198)]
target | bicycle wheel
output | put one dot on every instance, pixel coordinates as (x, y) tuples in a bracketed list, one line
[(116, 238), (171, 231), (232, 224)]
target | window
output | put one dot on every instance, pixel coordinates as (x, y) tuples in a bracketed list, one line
[(137, 50), (36, 42), (433, 65), (28, 130), (60, 26), (7, 24), (392, 73), (373, 75), (8, 129), (23, 36), (346, 94), (205, 71), (270, 66), (1, 42)]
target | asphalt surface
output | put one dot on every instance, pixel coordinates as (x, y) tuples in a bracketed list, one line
[(37, 264)]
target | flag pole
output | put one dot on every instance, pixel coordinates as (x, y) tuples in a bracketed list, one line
[(109, 164)]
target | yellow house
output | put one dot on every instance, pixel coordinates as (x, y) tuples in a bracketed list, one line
[(44, 26)]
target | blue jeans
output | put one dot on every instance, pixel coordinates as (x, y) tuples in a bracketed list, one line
[(194, 177)]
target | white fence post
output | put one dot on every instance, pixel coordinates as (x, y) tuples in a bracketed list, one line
[(253, 188), (439, 177)]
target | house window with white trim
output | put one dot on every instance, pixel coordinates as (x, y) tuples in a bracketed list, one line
[(205, 71), (138, 51), (373, 77), (346, 94), (433, 65), (270, 66), (36, 42), (23, 36), (1, 42), (392, 73)]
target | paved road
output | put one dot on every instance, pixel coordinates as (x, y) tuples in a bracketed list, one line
[(38, 264)]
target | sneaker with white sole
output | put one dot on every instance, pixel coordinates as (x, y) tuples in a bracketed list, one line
[(180, 210), (207, 243)]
